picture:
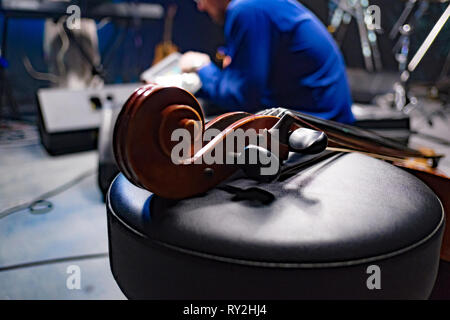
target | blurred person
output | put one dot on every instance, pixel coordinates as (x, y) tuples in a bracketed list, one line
[(278, 54)]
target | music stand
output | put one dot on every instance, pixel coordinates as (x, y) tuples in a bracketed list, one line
[(342, 16), (403, 101)]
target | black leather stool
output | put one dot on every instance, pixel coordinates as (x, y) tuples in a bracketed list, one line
[(315, 240)]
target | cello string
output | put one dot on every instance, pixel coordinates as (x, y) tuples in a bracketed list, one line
[(338, 128)]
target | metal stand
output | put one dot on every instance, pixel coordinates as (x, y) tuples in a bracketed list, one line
[(347, 10), (403, 100)]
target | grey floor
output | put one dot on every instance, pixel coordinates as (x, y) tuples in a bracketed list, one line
[(75, 229), (36, 249)]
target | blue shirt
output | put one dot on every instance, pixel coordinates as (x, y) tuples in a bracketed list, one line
[(282, 56)]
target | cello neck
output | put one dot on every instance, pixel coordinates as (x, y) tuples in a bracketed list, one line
[(354, 138)]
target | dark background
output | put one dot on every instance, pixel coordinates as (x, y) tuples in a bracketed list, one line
[(195, 31), (431, 65)]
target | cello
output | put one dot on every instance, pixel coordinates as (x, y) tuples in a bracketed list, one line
[(143, 144)]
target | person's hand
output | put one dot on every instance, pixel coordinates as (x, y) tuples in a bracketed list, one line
[(226, 62), (192, 61)]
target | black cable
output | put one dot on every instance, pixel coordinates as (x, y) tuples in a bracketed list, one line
[(96, 69), (52, 261), (108, 54), (30, 204)]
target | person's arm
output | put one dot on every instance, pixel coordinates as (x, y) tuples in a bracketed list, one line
[(241, 84)]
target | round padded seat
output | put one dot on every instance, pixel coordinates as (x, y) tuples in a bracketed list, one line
[(312, 235)]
